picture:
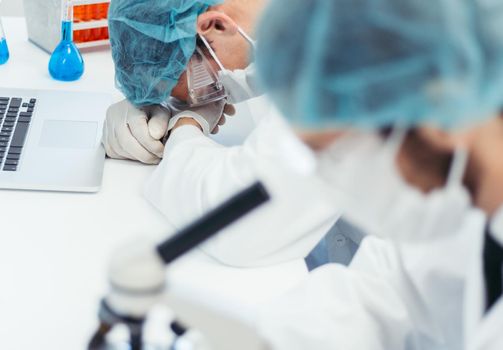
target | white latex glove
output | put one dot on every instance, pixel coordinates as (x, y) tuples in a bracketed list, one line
[(131, 133), (209, 116)]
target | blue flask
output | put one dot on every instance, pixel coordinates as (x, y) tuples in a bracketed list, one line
[(4, 49), (66, 63)]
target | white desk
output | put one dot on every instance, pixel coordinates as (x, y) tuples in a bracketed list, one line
[(54, 247)]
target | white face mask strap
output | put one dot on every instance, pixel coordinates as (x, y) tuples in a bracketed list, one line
[(214, 55), (458, 166), (250, 41), (396, 139)]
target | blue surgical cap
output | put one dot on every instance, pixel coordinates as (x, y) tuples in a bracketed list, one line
[(380, 63), (152, 42)]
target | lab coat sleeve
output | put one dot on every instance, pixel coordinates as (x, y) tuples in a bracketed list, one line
[(197, 174), (338, 307)]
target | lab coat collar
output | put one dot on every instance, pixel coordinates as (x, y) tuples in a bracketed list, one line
[(488, 334), (496, 226), (481, 329)]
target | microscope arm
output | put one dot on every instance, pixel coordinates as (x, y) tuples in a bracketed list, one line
[(137, 271)]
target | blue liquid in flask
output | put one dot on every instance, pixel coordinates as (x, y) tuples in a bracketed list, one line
[(66, 63), (4, 51)]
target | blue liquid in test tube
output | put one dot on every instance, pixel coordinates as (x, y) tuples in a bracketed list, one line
[(4, 49)]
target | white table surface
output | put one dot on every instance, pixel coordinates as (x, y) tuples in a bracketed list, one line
[(54, 247)]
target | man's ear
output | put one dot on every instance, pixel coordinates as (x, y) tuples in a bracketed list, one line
[(214, 22)]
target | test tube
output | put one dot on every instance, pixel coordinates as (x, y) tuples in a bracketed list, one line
[(88, 12), (78, 13), (4, 49), (86, 35), (104, 10), (96, 34), (96, 11), (77, 36)]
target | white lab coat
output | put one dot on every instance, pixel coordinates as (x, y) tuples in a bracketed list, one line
[(198, 173), (407, 296), (483, 331), (391, 297)]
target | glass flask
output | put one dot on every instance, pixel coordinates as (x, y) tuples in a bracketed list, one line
[(4, 49), (66, 63)]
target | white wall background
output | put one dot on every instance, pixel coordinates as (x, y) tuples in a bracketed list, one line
[(11, 8)]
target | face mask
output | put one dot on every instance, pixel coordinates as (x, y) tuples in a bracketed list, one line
[(375, 198), (207, 86), (240, 84)]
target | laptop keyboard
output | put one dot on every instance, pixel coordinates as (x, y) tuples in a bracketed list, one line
[(15, 119)]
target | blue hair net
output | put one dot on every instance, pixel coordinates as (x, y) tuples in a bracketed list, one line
[(380, 63), (152, 42)]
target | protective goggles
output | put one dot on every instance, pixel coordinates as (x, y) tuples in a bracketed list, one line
[(203, 81)]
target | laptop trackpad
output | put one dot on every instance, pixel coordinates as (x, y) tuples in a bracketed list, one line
[(68, 134)]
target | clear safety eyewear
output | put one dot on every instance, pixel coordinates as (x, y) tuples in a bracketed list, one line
[(203, 81)]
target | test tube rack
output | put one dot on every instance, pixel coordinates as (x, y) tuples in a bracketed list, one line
[(90, 27)]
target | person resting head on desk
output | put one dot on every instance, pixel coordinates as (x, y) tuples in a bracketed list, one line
[(153, 42)]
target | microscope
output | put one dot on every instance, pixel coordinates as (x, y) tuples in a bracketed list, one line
[(137, 275)]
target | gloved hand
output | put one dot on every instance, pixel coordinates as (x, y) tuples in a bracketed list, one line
[(132, 133), (209, 116)]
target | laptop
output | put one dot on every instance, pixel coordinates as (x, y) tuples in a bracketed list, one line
[(51, 140)]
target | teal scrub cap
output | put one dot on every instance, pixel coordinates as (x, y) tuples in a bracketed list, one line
[(379, 63), (152, 42)]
